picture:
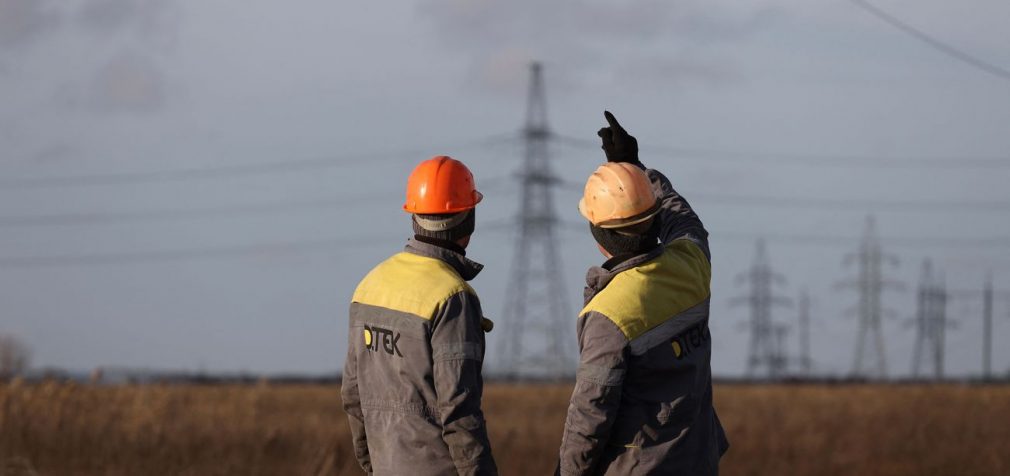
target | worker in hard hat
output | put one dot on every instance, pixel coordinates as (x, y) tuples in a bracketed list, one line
[(642, 402), (412, 380)]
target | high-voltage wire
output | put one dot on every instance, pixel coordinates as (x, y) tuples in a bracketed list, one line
[(236, 169), (184, 254), (333, 203), (712, 155), (233, 170), (933, 42), (848, 203)]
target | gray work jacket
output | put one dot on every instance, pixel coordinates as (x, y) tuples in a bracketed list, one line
[(412, 379), (642, 402)]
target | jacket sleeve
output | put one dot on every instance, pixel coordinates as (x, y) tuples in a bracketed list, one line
[(676, 217), (457, 345), (597, 395), (352, 404)]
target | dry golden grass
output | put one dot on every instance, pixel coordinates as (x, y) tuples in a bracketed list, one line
[(62, 429)]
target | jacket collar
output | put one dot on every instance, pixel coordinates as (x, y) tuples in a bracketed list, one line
[(466, 267), (598, 277)]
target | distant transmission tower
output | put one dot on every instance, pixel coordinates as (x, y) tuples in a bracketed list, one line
[(987, 328), (930, 323), (766, 352), (803, 323), (536, 317), (987, 294), (870, 285)]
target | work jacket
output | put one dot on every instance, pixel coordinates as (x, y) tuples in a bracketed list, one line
[(642, 402), (412, 379)]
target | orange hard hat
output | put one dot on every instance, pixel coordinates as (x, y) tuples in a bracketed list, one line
[(618, 195), (441, 184)]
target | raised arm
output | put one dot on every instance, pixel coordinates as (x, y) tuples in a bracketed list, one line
[(676, 217)]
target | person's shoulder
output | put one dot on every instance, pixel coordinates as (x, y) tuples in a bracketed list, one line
[(411, 283)]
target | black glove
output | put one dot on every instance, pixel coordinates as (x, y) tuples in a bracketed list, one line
[(617, 144)]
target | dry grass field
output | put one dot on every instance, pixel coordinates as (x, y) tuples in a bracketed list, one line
[(66, 429)]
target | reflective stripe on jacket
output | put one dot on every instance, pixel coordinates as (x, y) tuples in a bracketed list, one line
[(642, 402), (412, 379)]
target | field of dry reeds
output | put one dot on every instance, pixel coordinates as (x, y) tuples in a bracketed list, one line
[(58, 429)]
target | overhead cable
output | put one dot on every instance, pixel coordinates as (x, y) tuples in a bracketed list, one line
[(764, 157), (930, 40), (209, 252), (237, 169)]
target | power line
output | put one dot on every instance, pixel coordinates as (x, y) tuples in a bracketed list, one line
[(831, 240), (836, 160), (852, 204), (210, 252), (928, 39), (857, 204), (87, 218), (359, 242), (835, 240), (234, 170), (330, 203)]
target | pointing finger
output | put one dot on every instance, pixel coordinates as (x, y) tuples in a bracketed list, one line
[(613, 121)]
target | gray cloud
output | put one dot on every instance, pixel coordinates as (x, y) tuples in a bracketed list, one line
[(130, 82), (153, 21), (22, 21), (598, 40), (138, 34), (54, 153)]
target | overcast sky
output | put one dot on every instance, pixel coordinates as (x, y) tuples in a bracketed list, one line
[(99, 87)]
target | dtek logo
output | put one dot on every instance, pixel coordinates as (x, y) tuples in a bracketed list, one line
[(691, 339), (377, 336)]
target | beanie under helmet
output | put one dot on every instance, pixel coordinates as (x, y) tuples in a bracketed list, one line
[(444, 226)]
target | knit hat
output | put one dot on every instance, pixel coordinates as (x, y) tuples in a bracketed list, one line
[(445, 226)]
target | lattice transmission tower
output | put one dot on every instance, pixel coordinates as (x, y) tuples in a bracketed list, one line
[(869, 284), (766, 356), (930, 323), (536, 319), (803, 326)]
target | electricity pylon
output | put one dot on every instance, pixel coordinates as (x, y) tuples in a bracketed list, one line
[(536, 318), (870, 283), (803, 324), (930, 322), (766, 351)]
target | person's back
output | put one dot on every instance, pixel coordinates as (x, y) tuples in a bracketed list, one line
[(642, 403), (665, 423), (412, 380)]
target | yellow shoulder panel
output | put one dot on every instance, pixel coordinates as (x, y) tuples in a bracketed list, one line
[(410, 283), (644, 297)]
